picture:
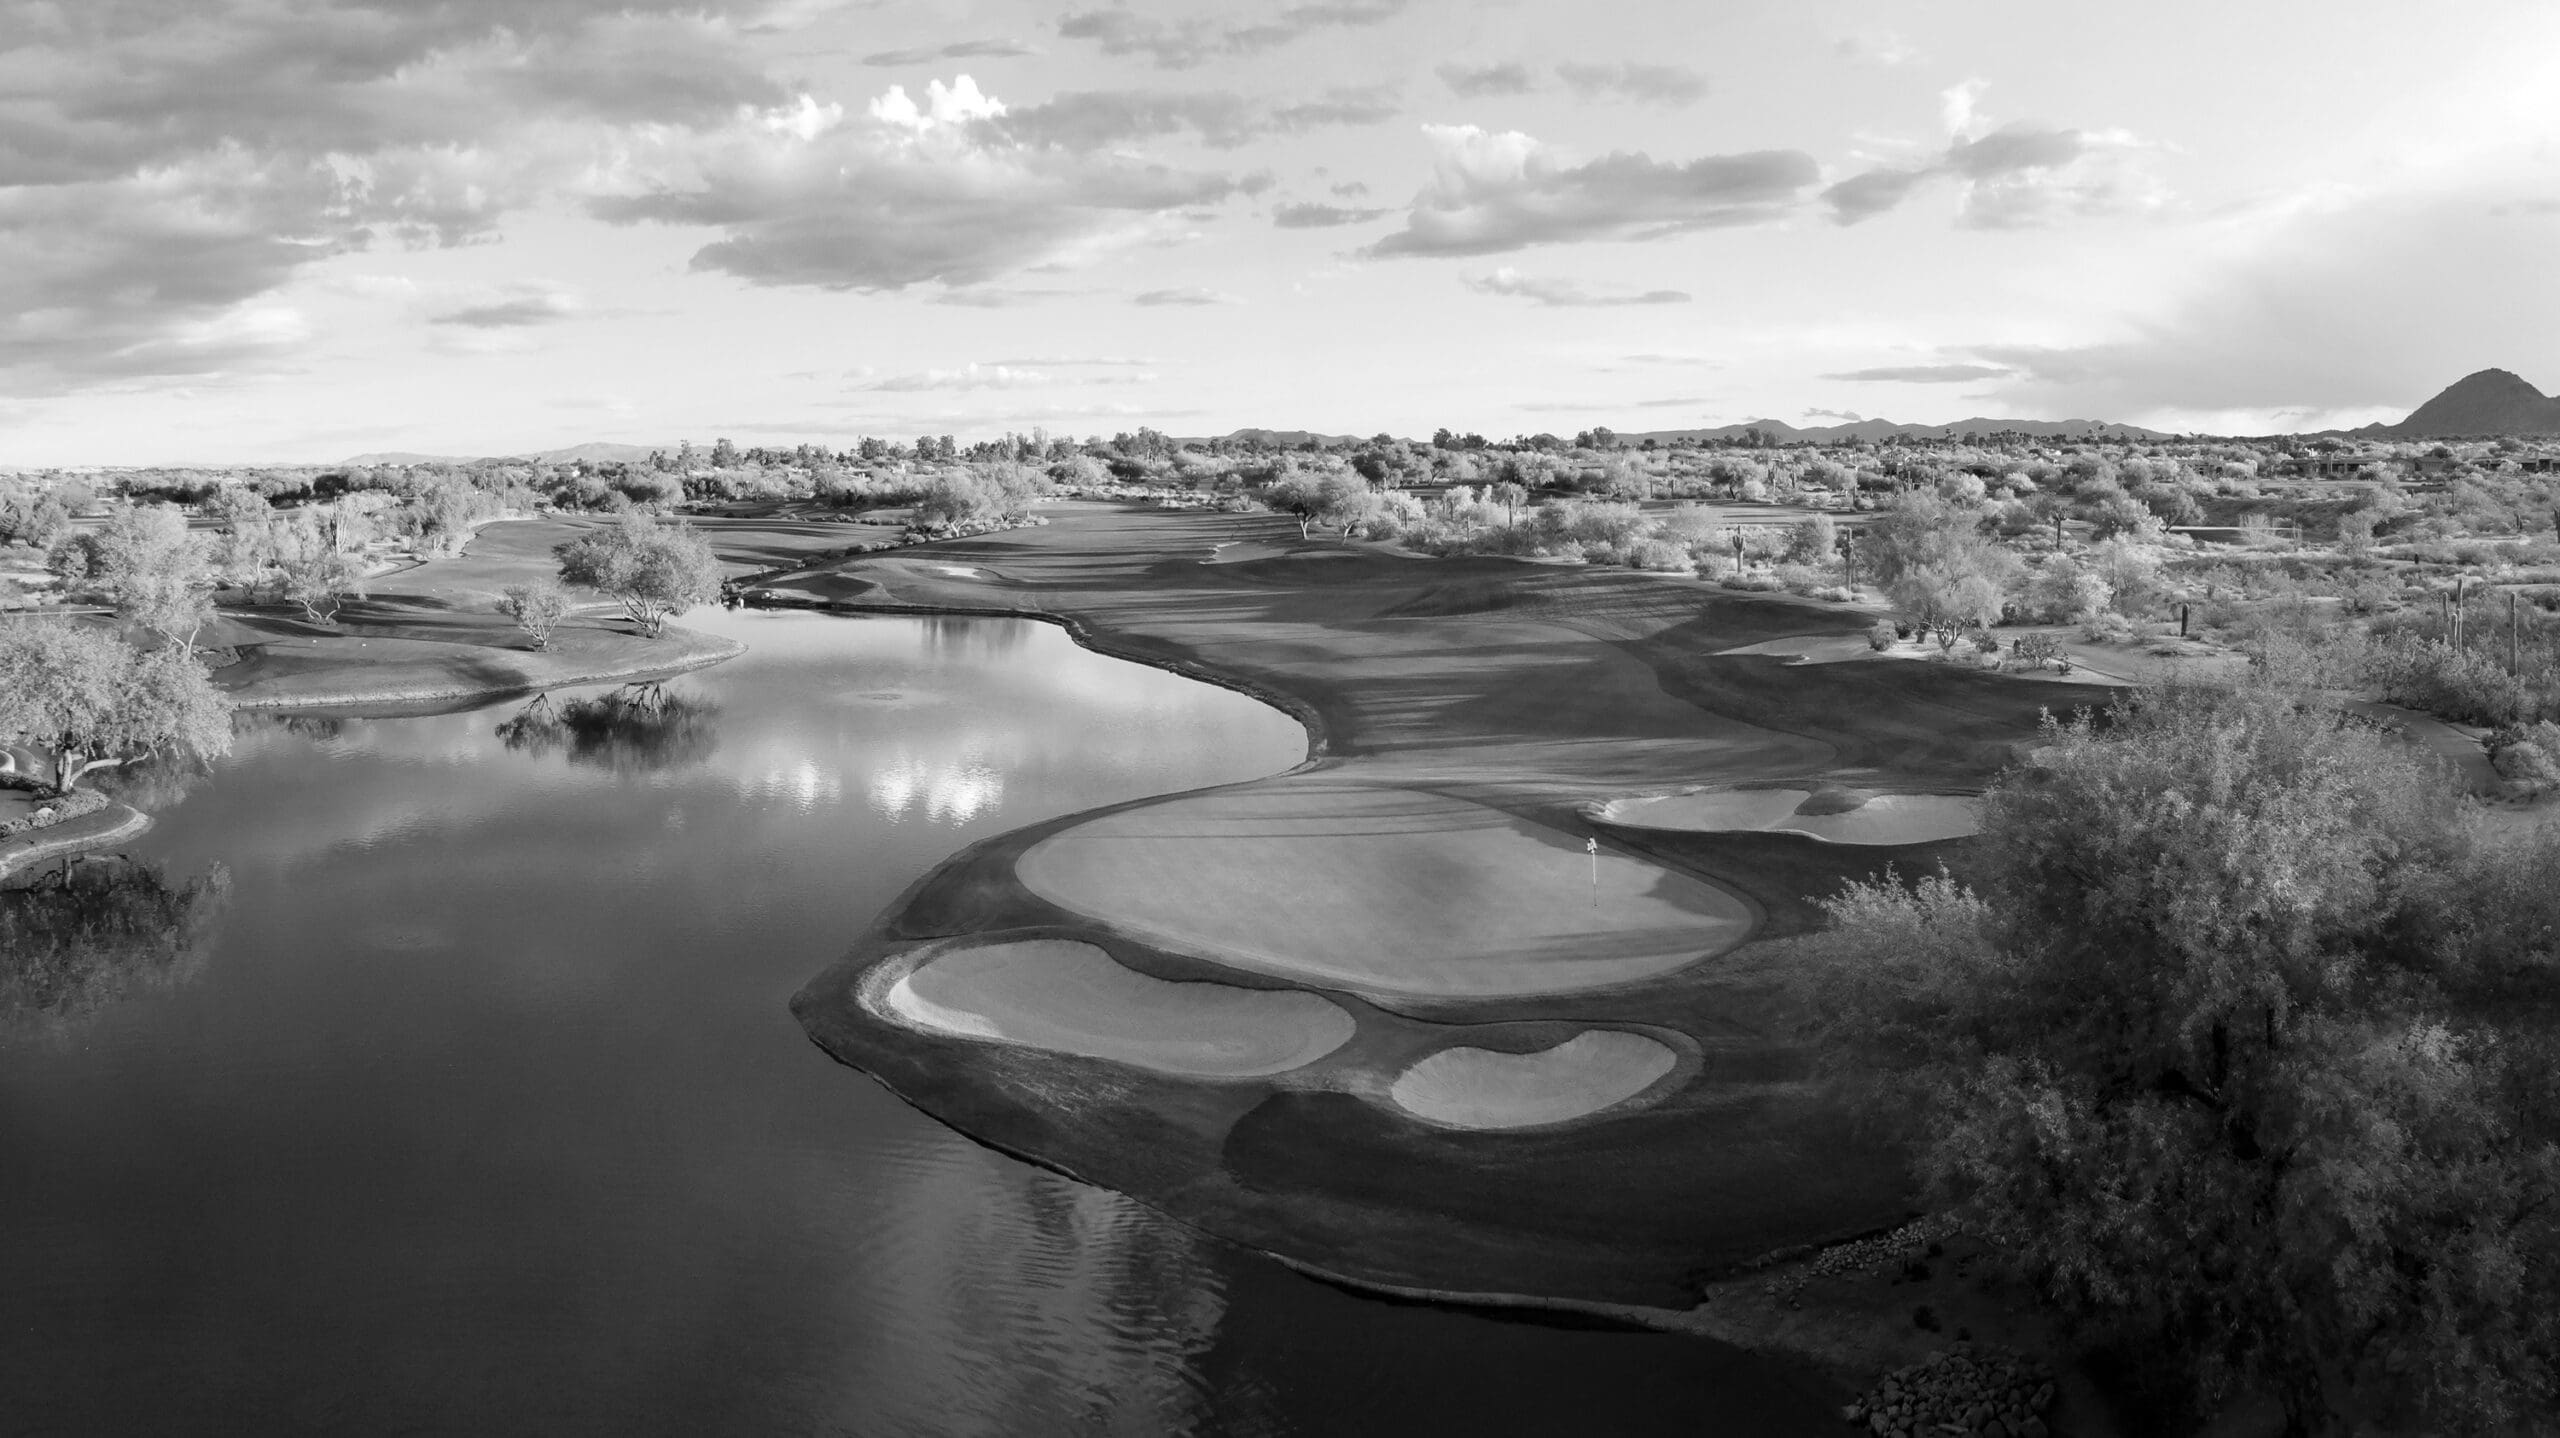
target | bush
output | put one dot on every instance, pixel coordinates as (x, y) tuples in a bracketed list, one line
[(2528, 753), (55, 810), (1752, 583), (1986, 641), (2463, 685), (1882, 634), (2107, 627), (1800, 578), (2038, 650)]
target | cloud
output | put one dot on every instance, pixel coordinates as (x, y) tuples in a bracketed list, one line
[(1088, 120), (2012, 176), (914, 192), (1082, 362), (1182, 44), (1563, 293), (1353, 189), (1865, 196), (1496, 192), (1844, 416), (1317, 217), (2343, 307), (956, 50), (1875, 47), (1923, 374), (1646, 84), (990, 376), (1188, 295), (1473, 82), (161, 173), (531, 307)]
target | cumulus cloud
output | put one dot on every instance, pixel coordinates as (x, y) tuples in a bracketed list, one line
[(1472, 82), (1187, 295), (1647, 84), (916, 191), (163, 167), (956, 50), (1923, 374), (1181, 44), (1875, 47), (1318, 217), (1102, 119), (1496, 192), (2009, 176), (1563, 293)]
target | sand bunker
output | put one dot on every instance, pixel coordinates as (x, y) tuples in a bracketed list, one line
[(1480, 1088), (1073, 998), (1883, 819), (1382, 891)]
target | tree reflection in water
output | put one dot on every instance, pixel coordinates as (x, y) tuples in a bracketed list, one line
[(636, 728), (77, 938)]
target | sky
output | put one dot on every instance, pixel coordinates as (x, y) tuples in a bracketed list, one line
[(241, 231)]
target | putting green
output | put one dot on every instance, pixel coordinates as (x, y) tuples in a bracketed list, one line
[(1883, 819), (1483, 1088), (1382, 890), (1073, 998)]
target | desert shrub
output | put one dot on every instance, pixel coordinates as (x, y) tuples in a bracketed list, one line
[(1800, 578), (2037, 650), (2528, 753), (1882, 634), (1659, 555), (1836, 594), (2106, 627), (2463, 685), (1986, 641), (1752, 583)]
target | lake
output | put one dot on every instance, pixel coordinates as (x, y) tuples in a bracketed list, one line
[(478, 1107)]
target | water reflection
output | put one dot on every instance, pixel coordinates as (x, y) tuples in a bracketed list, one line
[(947, 790), (635, 729), (88, 932)]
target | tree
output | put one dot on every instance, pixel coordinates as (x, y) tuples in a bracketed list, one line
[(1948, 597), (92, 701), (32, 517), (2237, 1043), (1814, 541), (145, 563), (653, 571), (316, 567), (537, 609)]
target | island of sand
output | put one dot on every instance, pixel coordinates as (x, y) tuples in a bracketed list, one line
[(1478, 1001)]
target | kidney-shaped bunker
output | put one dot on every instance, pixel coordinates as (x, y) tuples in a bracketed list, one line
[(1484, 1088), (1073, 998)]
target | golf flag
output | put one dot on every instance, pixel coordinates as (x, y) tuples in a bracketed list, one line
[(1592, 847)]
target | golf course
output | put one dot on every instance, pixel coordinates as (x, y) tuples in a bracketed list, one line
[(1481, 1000)]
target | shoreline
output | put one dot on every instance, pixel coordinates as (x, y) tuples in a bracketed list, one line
[(1169, 1148), (90, 832)]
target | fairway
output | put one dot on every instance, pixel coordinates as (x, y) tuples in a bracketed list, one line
[(1382, 890), (1073, 998)]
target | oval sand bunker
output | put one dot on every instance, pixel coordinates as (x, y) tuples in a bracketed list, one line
[(1481, 1088), (1073, 998), (1382, 891), (1883, 819)]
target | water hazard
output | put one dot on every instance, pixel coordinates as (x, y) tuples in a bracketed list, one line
[(434, 1075)]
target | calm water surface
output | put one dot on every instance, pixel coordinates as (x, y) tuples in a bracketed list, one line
[(482, 1111)]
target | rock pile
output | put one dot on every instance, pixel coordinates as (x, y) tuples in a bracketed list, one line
[(1864, 1256), (1990, 1392)]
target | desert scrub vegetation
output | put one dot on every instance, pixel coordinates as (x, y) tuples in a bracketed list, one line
[(2236, 1036)]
